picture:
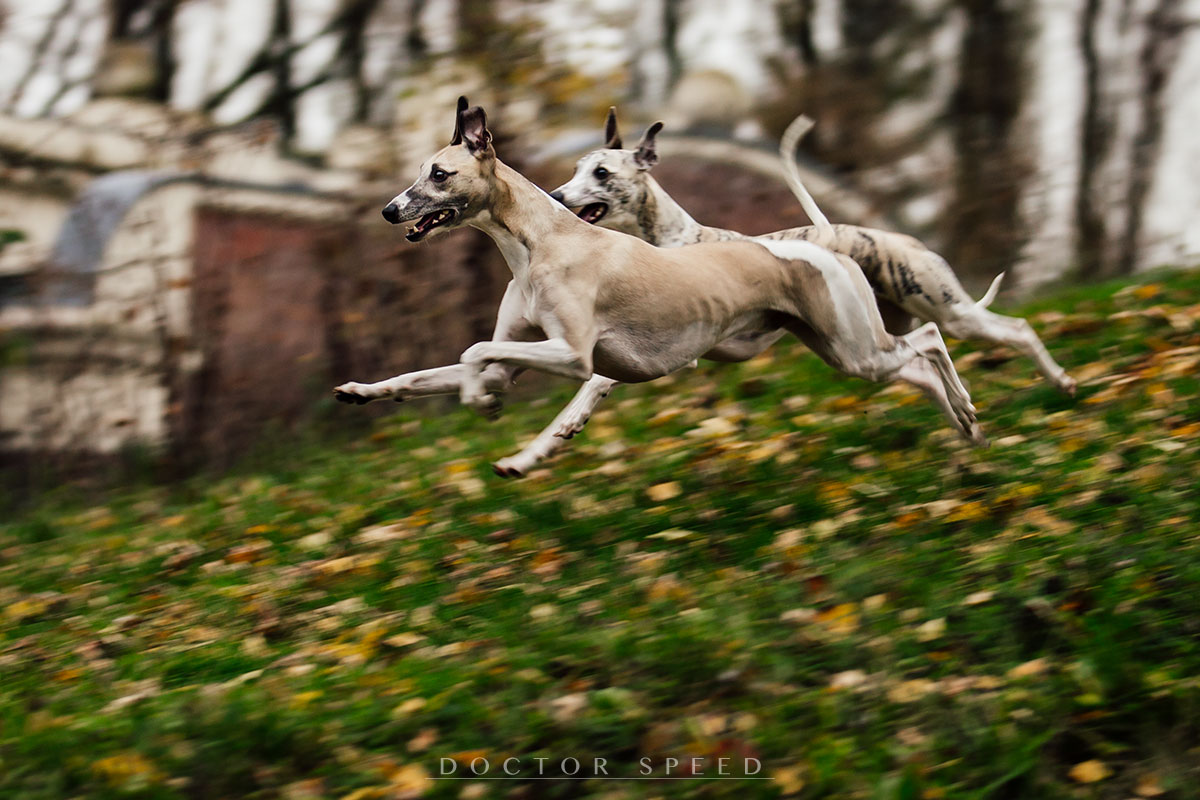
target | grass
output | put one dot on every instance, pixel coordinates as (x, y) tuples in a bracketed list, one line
[(764, 561)]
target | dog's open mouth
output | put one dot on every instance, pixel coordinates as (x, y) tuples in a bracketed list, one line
[(592, 212), (429, 222)]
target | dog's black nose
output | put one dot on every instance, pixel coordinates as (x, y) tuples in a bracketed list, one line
[(391, 213), (557, 196)]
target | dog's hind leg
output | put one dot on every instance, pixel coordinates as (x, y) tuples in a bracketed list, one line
[(947, 390), (921, 373), (976, 322)]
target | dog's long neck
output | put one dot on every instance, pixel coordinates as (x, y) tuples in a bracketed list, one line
[(520, 217), (663, 221)]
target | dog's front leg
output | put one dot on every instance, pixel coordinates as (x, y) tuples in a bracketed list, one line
[(424, 383), (555, 356), (510, 323), (569, 422)]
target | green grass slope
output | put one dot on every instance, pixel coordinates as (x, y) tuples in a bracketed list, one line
[(765, 561)]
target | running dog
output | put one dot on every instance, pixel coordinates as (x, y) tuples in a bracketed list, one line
[(612, 187), (584, 300)]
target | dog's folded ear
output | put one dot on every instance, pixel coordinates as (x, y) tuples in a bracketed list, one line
[(462, 106), (612, 139), (646, 155), (474, 131)]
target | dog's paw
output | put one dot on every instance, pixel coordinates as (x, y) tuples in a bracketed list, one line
[(350, 393), (975, 436), (1067, 385), (509, 468)]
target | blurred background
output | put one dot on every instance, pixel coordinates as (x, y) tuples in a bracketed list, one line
[(189, 193)]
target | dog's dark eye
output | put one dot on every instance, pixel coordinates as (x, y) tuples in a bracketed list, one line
[(439, 175), (601, 173)]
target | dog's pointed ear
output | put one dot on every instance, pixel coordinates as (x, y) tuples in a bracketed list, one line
[(612, 139), (646, 155), (475, 134), (462, 106)]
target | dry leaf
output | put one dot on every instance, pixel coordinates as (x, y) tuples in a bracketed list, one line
[(848, 679), (931, 630), (661, 492), (1089, 772), (911, 691), (788, 780), (542, 612), (1028, 669), (425, 738), (1148, 786), (841, 620)]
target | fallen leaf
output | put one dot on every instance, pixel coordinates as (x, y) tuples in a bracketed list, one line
[(1091, 771), (1148, 786), (661, 492), (425, 738), (1028, 669), (911, 691), (788, 780), (933, 629), (979, 598), (840, 620)]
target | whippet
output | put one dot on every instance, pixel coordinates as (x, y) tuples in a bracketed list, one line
[(585, 300), (612, 188)]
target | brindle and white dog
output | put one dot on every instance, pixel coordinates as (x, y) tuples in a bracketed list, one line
[(612, 188), (585, 300)]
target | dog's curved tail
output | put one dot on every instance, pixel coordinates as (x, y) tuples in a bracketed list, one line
[(991, 293), (796, 131)]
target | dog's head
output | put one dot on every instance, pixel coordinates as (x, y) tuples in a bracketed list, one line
[(455, 184), (609, 185)]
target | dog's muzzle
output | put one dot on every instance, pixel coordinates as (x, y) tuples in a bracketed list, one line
[(555, 195), (391, 213)]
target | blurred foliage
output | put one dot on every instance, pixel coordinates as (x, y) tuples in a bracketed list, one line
[(764, 560)]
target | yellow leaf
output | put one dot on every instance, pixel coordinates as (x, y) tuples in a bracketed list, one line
[(788, 780), (1029, 669), (404, 639), (911, 691), (26, 609), (840, 620), (302, 700), (125, 766), (409, 706), (1089, 772), (661, 492), (368, 793), (931, 630), (978, 598), (411, 780), (543, 611), (1147, 292)]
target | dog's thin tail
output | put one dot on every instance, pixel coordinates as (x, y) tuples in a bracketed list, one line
[(991, 293), (800, 126)]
